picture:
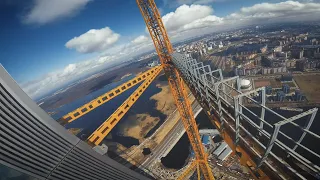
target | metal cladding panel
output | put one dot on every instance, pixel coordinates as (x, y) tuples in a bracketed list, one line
[(92, 165), (35, 144), (31, 141)]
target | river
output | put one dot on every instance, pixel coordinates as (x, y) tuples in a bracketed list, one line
[(177, 157), (95, 118)]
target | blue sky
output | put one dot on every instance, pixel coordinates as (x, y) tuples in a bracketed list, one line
[(31, 50), (45, 44)]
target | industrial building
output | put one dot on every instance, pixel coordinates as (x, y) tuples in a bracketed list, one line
[(225, 154), (220, 149)]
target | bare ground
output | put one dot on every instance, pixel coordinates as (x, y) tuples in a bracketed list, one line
[(310, 86), (134, 154), (165, 102), (144, 122)]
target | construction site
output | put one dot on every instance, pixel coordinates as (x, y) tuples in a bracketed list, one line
[(244, 140)]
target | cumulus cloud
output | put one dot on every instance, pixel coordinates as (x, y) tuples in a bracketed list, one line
[(176, 3), (192, 20), (138, 45), (186, 21), (140, 39), (95, 40), (45, 11), (195, 1), (184, 15), (61, 77), (278, 12), (71, 72)]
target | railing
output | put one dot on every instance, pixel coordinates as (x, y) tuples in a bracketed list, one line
[(276, 141)]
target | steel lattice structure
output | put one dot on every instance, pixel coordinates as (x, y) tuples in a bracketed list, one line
[(164, 49), (266, 151), (81, 111), (98, 135)]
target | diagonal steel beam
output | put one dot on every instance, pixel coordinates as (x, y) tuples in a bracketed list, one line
[(98, 135), (86, 108)]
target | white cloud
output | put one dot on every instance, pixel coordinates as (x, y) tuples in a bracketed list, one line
[(278, 12), (105, 59), (45, 11), (65, 75), (191, 20), (186, 21), (195, 1), (140, 39), (126, 51), (71, 72), (95, 40), (175, 21), (176, 3)]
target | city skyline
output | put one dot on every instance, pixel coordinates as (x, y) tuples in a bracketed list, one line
[(44, 49)]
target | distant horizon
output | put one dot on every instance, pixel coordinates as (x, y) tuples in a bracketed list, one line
[(45, 49), (84, 76), (150, 52)]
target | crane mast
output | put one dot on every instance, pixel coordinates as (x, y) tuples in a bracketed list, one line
[(164, 49)]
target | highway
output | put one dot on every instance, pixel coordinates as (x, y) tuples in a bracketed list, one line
[(171, 139)]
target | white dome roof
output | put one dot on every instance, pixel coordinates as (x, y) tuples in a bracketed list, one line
[(244, 83)]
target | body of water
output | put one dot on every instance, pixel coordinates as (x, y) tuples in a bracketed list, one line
[(178, 156), (91, 121)]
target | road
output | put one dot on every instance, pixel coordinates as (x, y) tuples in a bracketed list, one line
[(171, 139)]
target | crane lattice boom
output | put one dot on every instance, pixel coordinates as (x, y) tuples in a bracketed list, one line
[(164, 49)]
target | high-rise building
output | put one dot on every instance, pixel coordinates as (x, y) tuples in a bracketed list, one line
[(268, 90), (35, 146), (280, 96), (286, 88), (298, 96)]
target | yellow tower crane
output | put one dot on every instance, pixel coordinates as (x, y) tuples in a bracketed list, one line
[(164, 49), (247, 155)]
